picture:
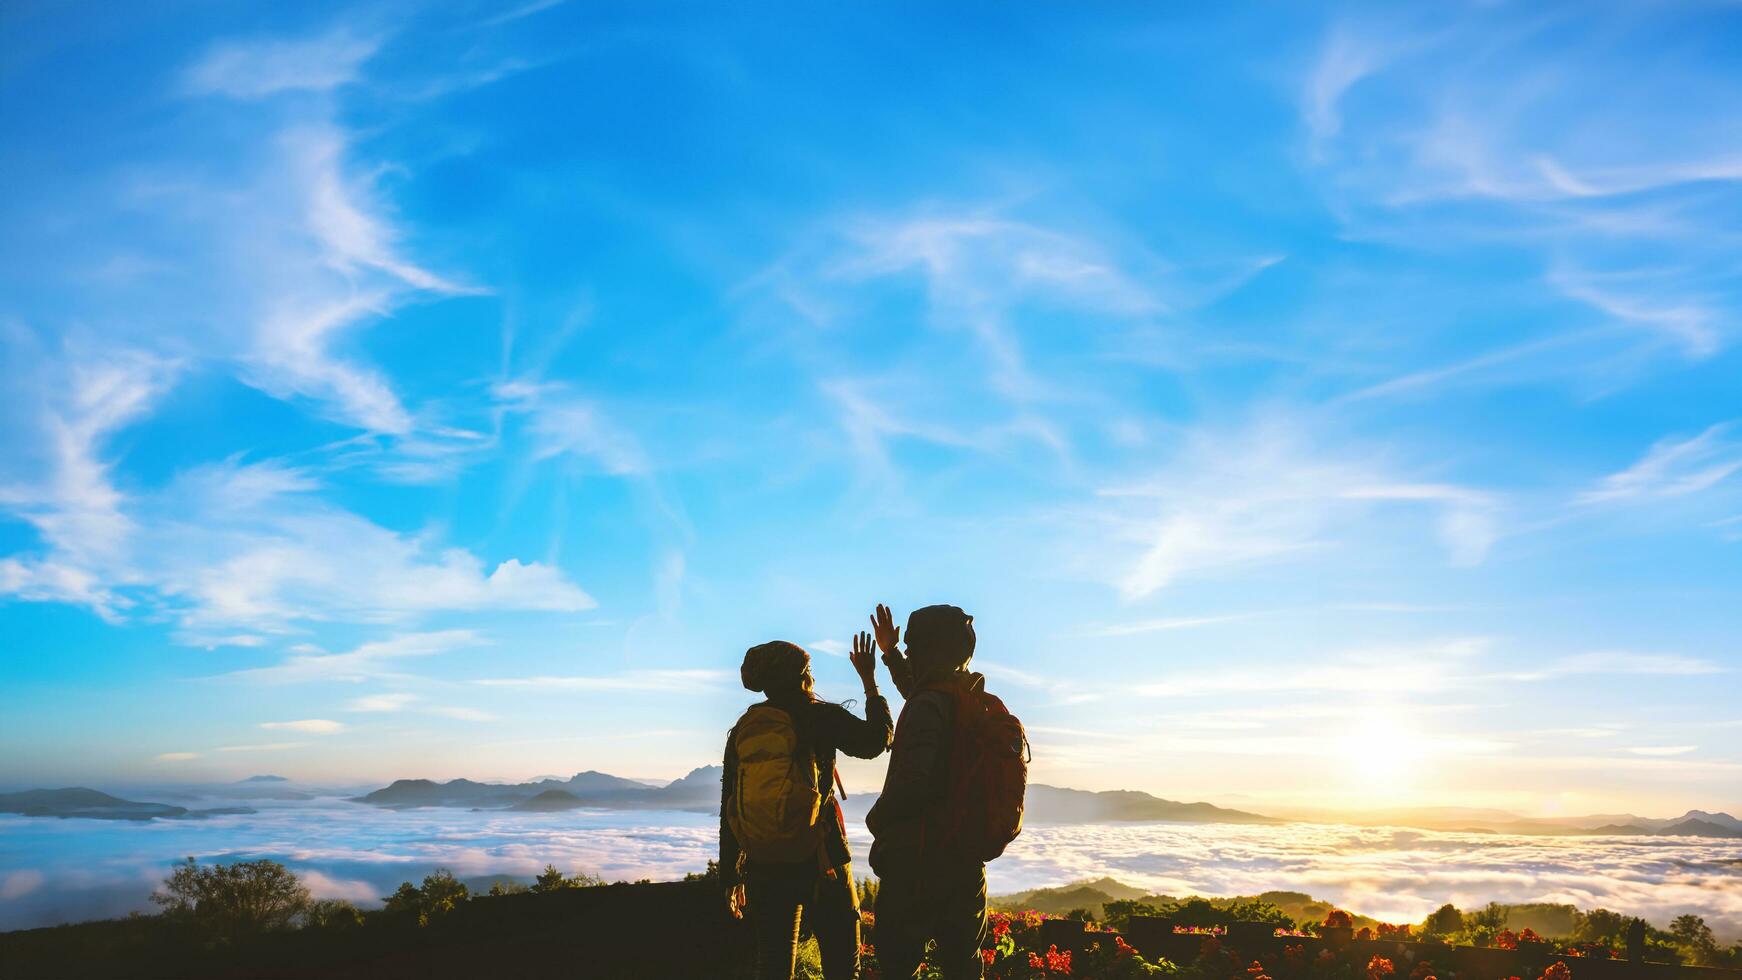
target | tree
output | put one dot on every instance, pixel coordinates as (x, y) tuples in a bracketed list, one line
[(1692, 933), (440, 894), (234, 899), (1444, 921)]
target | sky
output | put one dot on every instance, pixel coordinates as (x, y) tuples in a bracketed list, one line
[(1316, 405)]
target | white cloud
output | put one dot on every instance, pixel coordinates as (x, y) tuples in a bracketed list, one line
[(71, 499), (1673, 467), (632, 680), (252, 546), (256, 68), (347, 271), (382, 702), (1663, 750), (376, 659), (176, 756), (308, 726)]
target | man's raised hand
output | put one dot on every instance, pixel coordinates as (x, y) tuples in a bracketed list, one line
[(888, 634)]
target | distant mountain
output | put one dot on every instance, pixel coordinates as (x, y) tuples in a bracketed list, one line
[(264, 779), (77, 801), (1721, 819), (1697, 823), (699, 790), (1052, 804), (1699, 828)]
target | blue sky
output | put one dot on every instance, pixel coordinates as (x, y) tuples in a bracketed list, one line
[(1316, 405)]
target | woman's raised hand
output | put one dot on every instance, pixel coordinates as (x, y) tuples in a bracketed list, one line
[(865, 660)]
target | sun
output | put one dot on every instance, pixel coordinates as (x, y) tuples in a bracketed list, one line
[(1389, 755)]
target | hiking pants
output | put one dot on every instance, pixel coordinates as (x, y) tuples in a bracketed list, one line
[(946, 905), (780, 894)]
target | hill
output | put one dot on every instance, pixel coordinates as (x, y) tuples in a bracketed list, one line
[(77, 801), (550, 801)]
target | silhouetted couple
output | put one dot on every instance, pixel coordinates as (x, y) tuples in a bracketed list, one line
[(951, 801)]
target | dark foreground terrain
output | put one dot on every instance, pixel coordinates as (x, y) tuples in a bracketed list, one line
[(666, 929)]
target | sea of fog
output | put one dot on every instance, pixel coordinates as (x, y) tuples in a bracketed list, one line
[(54, 870)]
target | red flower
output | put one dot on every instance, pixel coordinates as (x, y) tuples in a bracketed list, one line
[(1507, 939), (1364, 933), (1256, 969), (1557, 972), (988, 955), (1378, 967), (1121, 948), (1057, 962), (1529, 936), (1338, 919)]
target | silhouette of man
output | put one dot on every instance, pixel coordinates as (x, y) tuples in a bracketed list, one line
[(924, 893)]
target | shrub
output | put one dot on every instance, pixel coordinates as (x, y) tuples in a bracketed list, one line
[(331, 913), (552, 880)]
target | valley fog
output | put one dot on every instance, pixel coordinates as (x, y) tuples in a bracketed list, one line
[(54, 870)]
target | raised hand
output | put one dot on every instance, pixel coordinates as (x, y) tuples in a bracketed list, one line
[(888, 634), (864, 659)]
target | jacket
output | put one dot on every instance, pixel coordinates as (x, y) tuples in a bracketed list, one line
[(917, 780)]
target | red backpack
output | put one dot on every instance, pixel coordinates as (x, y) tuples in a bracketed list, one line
[(988, 777)]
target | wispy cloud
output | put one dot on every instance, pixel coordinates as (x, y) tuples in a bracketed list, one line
[(382, 702), (1342, 62), (632, 680), (263, 747), (261, 67), (373, 660), (1673, 467), (1689, 324), (1267, 495), (308, 726), (1624, 663), (564, 423), (1663, 750), (1166, 624), (176, 756)]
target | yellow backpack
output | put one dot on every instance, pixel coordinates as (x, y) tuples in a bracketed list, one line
[(774, 808)]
